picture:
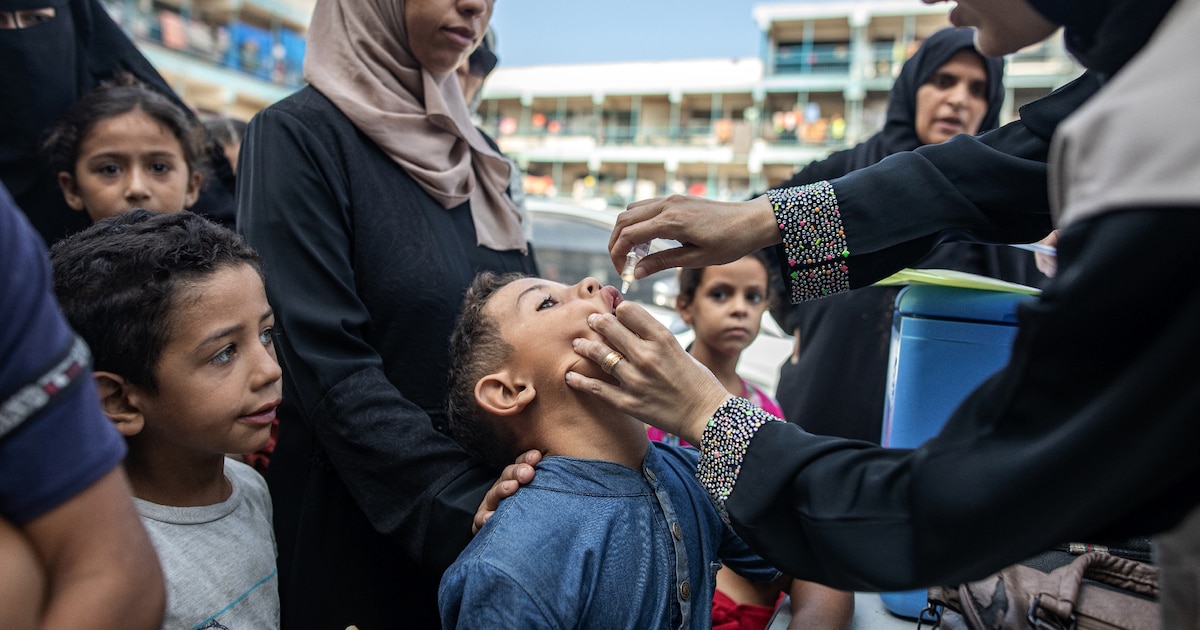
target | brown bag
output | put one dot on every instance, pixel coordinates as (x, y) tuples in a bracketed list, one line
[(1094, 591)]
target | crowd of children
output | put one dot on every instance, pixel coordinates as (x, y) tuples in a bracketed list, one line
[(174, 309), (373, 201)]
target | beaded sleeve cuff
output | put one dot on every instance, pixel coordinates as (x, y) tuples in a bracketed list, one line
[(723, 445), (813, 240)]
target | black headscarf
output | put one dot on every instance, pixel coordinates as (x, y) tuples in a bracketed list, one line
[(44, 70), (1104, 34), (899, 131)]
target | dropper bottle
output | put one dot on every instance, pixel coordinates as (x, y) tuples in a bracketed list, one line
[(638, 252)]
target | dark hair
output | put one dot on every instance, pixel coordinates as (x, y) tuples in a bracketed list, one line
[(60, 151), (226, 131), (118, 282), (689, 280), (476, 350)]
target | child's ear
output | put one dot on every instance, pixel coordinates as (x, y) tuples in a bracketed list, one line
[(119, 403), (501, 394), (684, 308), (70, 191), (193, 192)]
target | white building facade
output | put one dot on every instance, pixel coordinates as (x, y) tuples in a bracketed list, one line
[(727, 128)]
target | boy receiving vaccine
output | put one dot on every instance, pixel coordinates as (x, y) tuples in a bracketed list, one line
[(174, 310), (613, 532)]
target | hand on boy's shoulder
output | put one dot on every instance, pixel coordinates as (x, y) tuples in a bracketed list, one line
[(515, 475)]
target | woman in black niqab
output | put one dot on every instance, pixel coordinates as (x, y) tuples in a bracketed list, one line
[(47, 68)]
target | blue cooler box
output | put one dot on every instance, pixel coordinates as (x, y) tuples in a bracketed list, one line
[(945, 342)]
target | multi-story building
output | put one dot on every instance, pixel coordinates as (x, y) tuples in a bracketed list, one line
[(724, 128), (223, 57)]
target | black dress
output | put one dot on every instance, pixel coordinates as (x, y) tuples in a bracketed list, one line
[(366, 273)]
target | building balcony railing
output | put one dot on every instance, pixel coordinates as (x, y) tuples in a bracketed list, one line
[(275, 56), (884, 59), (812, 58), (739, 135)]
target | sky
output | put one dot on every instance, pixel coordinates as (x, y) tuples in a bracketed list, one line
[(534, 32)]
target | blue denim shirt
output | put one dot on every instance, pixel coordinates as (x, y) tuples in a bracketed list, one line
[(593, 544)]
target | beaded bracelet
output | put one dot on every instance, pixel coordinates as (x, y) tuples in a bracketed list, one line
[(723, 445), (813, 240)]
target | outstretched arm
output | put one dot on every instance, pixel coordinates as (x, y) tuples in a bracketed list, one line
[(991, 188), (1064, 408)]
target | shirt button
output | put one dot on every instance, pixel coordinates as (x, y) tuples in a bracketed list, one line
[(685, 591), (676, 531), (650, 474)]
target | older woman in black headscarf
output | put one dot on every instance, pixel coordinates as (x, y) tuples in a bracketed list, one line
[(946, 88), (902, 130), (1088, 433), (45, 68)]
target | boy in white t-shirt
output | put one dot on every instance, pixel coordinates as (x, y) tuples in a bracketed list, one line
[(174, 309)]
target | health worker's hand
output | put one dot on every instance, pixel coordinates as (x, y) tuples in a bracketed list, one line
[(711, 232), (1047, 263), (659, 383)]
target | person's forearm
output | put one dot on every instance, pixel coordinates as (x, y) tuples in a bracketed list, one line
[(102, 570), (22, 580), (723, 442)]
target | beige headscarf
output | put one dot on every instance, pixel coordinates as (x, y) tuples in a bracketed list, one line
[(359, 58), (1132, 146)]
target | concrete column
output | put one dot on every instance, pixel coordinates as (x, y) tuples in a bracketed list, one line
[(598, 118), (556, 176), (671, 165), (675, 97), (525, 124), (635, 118)]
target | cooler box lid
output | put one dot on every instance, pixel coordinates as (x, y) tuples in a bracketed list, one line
[(959, 304)]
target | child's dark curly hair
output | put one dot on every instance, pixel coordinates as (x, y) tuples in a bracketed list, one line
[(476, 350), (119, 282)]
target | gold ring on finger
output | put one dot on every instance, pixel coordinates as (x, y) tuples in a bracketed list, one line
[(610, 361)]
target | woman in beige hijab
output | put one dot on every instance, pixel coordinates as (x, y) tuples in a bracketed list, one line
[(374, 201)]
